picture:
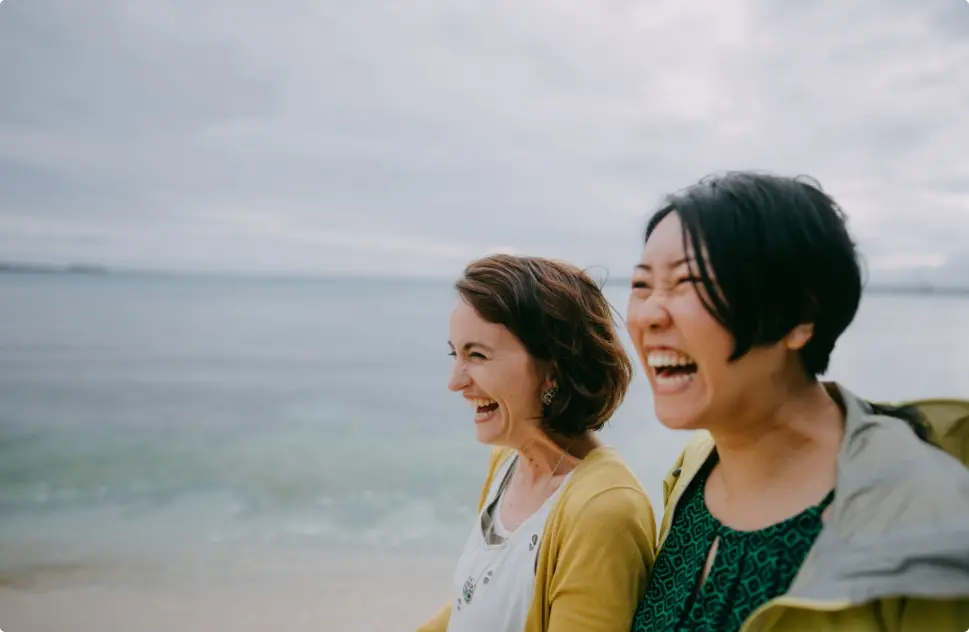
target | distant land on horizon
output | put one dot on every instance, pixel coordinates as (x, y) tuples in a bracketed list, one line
[(33, 268), (13, 267)]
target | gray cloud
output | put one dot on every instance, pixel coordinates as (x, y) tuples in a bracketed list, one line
[(378, 136)]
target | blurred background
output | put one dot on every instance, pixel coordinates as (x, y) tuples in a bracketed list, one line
[(228, 233)]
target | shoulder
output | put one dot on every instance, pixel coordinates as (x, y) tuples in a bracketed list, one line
[(603, 469), (898, 492), (920, 472), (878, 441), (605, 490), (884, 456), (887, 452)]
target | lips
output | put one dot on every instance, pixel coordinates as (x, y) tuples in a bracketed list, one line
[(671, 368)]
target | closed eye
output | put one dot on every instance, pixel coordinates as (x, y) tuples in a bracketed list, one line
[(472, 354)]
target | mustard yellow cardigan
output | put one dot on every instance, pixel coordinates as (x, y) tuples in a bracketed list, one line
[(596, 554)]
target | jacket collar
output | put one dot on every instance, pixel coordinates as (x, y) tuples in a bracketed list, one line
[(899, 521)]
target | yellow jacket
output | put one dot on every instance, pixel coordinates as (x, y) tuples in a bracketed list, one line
[(596, 551), (893, 555)]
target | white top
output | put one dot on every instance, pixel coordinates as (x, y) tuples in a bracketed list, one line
[(495, 579)]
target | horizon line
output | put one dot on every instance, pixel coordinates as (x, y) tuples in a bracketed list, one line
[(86, 269)]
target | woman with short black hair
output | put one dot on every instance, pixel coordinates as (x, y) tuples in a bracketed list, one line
[(798, 505)]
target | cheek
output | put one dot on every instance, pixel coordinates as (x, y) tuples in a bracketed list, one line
[(512, 386), (706, 339), (522, 389), (481, 378)]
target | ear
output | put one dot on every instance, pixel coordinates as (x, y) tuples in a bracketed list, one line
[(545, 369), (799, 336)]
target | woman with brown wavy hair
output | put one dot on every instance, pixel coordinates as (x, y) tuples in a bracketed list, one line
[(564, 536)]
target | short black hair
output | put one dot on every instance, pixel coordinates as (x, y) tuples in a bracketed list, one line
[(777, 254)]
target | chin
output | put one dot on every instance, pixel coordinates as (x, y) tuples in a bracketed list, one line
[(681, 406), (490, 432), (678, 415)]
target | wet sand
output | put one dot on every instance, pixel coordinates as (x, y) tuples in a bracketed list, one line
[(312, 591)]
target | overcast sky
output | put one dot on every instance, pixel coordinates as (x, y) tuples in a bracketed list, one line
[(379, 136)]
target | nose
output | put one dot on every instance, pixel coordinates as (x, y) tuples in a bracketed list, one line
[(648, 314), (459, 378)]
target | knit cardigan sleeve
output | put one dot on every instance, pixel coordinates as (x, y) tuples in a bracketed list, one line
[(604, 561)]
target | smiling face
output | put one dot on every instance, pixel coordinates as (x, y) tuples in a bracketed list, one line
[(497, 376), (684, 350)]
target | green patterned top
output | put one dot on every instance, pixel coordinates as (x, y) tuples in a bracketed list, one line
[(750, 568)]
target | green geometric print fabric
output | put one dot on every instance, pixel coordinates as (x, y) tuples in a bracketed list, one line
[(750, 567)]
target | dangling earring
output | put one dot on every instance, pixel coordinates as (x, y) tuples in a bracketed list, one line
[(549, 395)]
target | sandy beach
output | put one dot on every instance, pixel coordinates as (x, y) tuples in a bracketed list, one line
[(310, 591)]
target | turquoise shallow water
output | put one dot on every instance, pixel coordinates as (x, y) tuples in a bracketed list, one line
[(142, 414)]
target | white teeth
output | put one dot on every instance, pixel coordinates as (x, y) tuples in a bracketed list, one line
[(673, 380), (476, 403), (666, 358)]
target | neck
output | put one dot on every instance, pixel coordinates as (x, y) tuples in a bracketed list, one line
[(543, 455), (801, 428)]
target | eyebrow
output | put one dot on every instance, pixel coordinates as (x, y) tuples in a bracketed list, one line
[(470, 345), (648, 268)]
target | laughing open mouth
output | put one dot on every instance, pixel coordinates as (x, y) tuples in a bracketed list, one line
[(483, 406), (671, 367)]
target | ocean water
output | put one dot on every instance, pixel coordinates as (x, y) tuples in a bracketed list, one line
[(150, 415)]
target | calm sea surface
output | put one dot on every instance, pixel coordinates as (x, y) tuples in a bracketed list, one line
[(143, 414)]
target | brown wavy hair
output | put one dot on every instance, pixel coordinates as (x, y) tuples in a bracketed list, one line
[(564, 321)]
